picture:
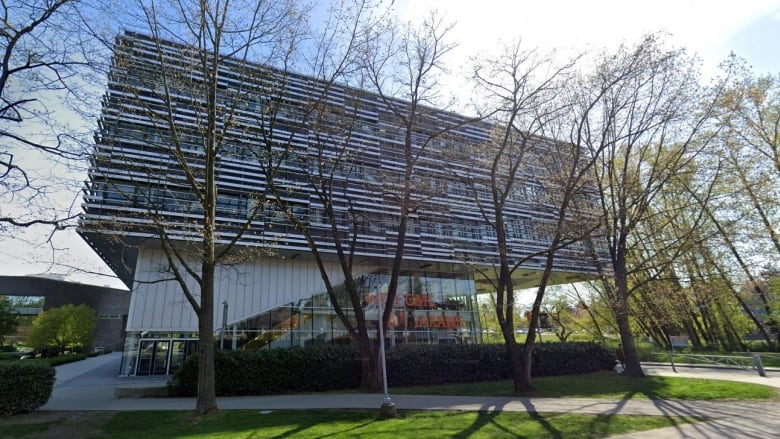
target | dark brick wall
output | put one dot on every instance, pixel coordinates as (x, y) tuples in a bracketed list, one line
[(109, 333)]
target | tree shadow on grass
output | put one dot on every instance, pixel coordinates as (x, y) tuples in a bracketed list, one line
[(484, 417), (600, 426), (303, 427), (238, 423), (487, 415), (543, 422)]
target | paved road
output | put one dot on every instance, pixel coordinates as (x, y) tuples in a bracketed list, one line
[(90, 385)]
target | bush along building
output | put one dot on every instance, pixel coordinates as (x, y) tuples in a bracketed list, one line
[(295, 154)]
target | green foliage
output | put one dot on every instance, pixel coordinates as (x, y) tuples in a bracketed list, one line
[(62, 359), (313, 368), (66, 327), (24, 386), (434, 364), (10, 356), (8, 320), (318, 368)]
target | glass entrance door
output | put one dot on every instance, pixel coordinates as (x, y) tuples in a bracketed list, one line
[(160, 365), (180, 351), (153, 357)]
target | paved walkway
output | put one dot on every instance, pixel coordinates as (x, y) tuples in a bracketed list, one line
[(90, 385)]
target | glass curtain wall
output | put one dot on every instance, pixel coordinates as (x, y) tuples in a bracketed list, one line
[(429, 308)]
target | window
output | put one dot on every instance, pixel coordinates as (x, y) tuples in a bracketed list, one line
[(231, 205), (317, 215)]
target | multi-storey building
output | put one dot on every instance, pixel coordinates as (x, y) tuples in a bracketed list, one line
[(306, 132)]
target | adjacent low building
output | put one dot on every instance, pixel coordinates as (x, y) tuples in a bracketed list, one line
[(110, 304), (273, 295)]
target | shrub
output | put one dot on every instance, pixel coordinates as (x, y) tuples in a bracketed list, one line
[(324, 367), (570, 358), (313, 368), (24, 386), (63, 359), (440, 364), (10, 356)]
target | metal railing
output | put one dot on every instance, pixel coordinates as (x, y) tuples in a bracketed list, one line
[(750, 360)]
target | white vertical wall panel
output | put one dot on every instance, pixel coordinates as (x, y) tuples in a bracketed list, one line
[(249, 288)]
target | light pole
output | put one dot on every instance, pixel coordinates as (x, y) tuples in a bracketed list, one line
[(387, 409), (224, 325)]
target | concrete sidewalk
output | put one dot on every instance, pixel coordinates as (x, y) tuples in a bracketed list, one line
[(772, 377), (90, 385), (102, 370)]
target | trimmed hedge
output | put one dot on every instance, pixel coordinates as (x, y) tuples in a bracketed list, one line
[(440, 364), (266, 372), (62, 359), (320, 368), (24, 386), (10, 356)]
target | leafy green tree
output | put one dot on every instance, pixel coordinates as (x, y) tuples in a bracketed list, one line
[(645, 128), (561, 315), (69, 326), (8, 321)]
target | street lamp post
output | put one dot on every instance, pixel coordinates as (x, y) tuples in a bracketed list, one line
[(224, 324), (387, 409)]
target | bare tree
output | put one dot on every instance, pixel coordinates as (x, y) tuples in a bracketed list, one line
[(525, 92), (184, 90), (45, 66), (334, 168), (403, 67)]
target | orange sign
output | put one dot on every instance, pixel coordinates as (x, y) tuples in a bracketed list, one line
[(407, 300), (434, 321)]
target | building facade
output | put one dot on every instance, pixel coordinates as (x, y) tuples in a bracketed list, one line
[(110, 305), (327, 145)]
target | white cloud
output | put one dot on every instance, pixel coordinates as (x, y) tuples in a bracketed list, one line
[(702, 27), (710, 28)]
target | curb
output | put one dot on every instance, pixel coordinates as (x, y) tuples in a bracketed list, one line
[(141, 392)]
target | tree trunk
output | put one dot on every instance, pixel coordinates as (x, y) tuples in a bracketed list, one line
[(520, 376), (207, 398), (692, 333), (732, 340), (525, 384), (369, 366), (632, 366)]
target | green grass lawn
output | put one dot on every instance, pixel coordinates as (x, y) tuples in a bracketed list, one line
[(349, 424), (417, 424), (608, 385), (767, 359)]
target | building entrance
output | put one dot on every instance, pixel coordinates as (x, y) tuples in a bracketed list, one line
[(153, 357), (163, 357)]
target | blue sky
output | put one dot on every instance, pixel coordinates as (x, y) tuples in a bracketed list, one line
[(712, 29)]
